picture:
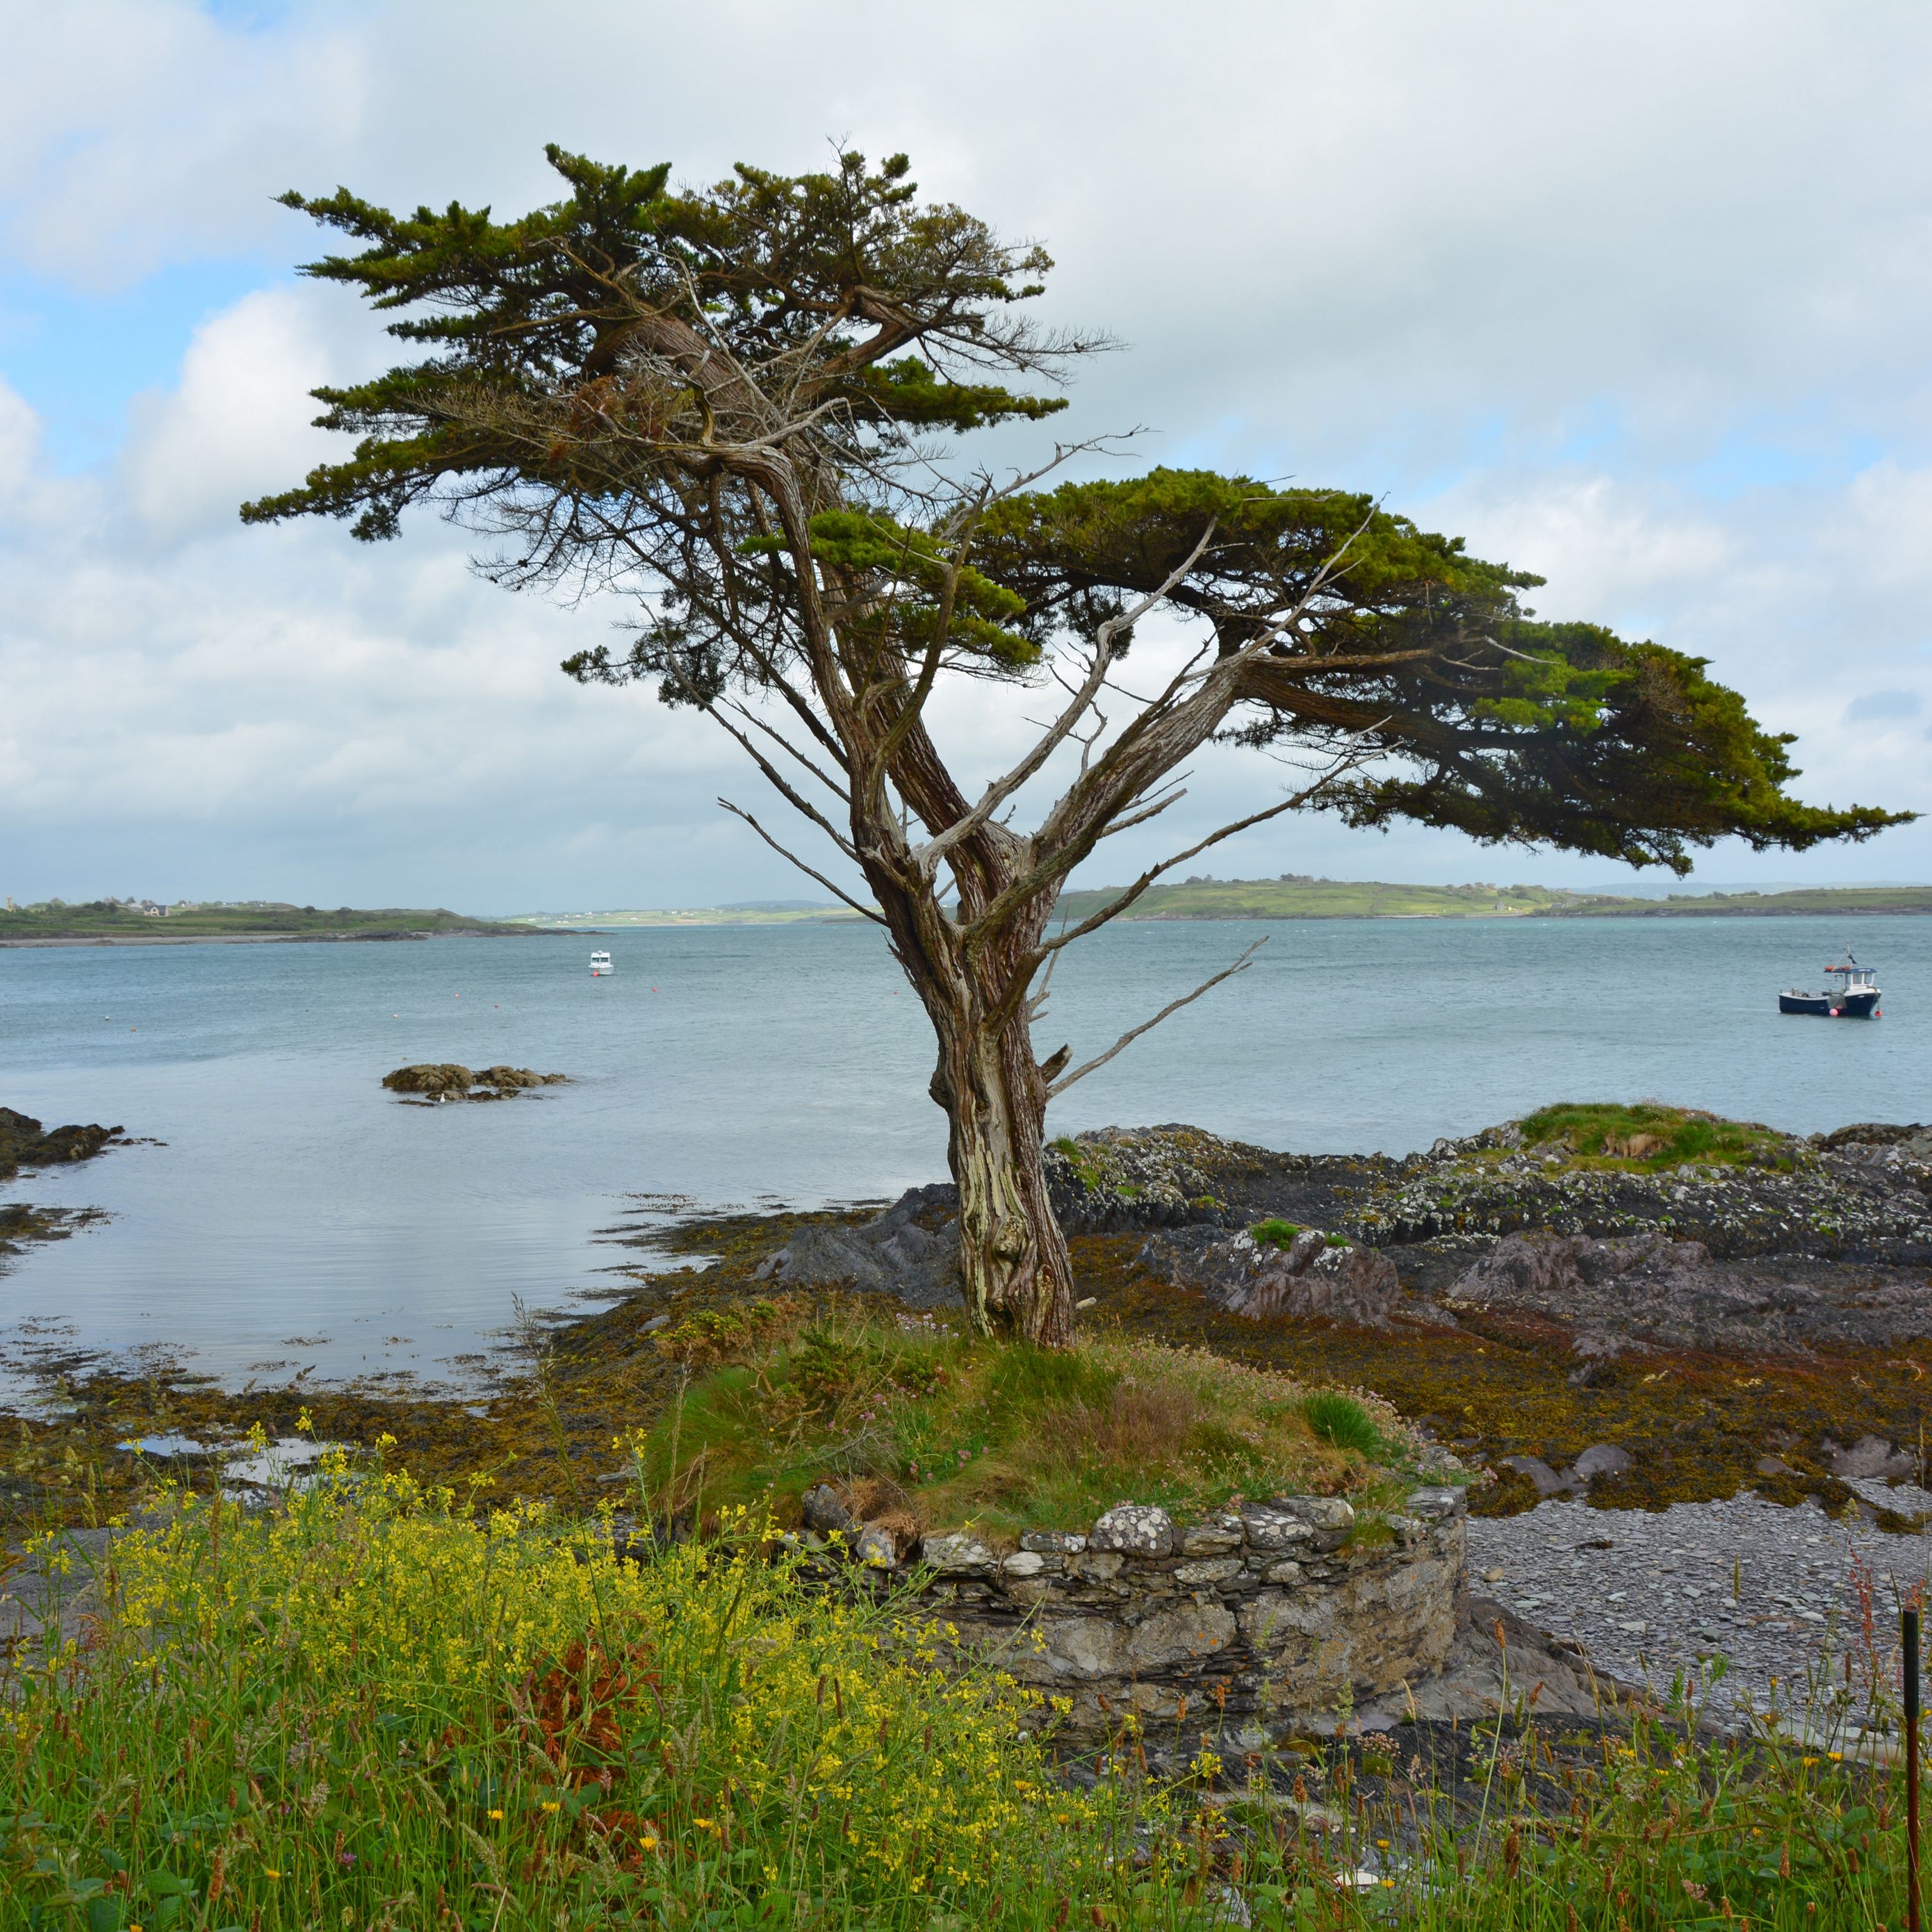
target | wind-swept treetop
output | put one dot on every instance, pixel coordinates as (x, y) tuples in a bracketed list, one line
[(821, 283), (713, 400), (1513, 729)]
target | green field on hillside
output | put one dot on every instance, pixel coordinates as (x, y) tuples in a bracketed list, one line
[(1321, 898), (102, 919), (1821, 899), (661, 916)]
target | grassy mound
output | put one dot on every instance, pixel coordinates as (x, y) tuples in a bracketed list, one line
[(1009, 1438), (1648, 1137)]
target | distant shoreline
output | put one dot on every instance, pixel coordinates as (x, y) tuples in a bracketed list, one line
[(1307, 898), (286, 938)]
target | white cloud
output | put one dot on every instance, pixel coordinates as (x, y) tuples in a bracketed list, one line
[(19, 447), (237, 425), (137, 132), (1636, 299)]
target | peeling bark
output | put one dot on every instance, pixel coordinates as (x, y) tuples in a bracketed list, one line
[(1013, 1261)]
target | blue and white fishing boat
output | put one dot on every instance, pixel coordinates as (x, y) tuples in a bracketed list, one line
[(600, 964), (1854, 996)]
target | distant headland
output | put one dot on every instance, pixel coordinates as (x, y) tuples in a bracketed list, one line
[(1296, 895), (146, 922)]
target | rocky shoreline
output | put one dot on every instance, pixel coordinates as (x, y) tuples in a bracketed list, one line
[(1823, 1244), (1668, 1369), (25, 1143), (1713, 1441)]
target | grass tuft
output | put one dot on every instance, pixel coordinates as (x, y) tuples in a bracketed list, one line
[(1341, 1420), (1275, 1233)]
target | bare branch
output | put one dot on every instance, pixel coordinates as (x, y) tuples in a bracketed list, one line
[(1348, 761), (739, 811), (997, 793), (1140, 817), (1133, 1033), (1115, 907), (776, 779), (1037, 1000)]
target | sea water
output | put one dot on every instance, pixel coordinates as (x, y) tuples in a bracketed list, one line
[(289, 1215)]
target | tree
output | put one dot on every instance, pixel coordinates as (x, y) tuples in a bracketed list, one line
[(715, 401)]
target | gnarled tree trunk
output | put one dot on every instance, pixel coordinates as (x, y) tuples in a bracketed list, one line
[(1013, 1262), (1014, 1267)]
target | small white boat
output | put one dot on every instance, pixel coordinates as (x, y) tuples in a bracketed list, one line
[(600, 964)]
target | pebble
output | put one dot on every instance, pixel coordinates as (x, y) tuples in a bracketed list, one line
[(1782, 1593)]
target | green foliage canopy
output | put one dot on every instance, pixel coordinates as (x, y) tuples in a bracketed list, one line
[(616, 379)]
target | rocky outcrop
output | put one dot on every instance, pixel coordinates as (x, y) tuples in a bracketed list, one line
[(433, 1081), (24, 1143), (911, 1252), (1632, 1293), (1866, 1200), (1814, 1245), (1307, 1274)]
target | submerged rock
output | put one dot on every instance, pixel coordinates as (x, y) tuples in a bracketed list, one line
[(444, 1080), (21, 1224), (23, 1143)]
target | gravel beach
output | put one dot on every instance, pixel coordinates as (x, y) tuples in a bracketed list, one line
[(1779, 1592)]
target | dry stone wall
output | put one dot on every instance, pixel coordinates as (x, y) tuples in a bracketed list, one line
[(1247, 1627)]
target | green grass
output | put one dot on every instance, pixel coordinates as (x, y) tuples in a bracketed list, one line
[(948, 1430), (1277, 1233), (369, 1707), (1649, 1137), (1341, 1420)]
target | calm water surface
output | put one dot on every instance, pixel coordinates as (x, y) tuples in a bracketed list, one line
[(299, 1217)]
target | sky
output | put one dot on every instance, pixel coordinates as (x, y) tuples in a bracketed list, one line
[(1636, 296)]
